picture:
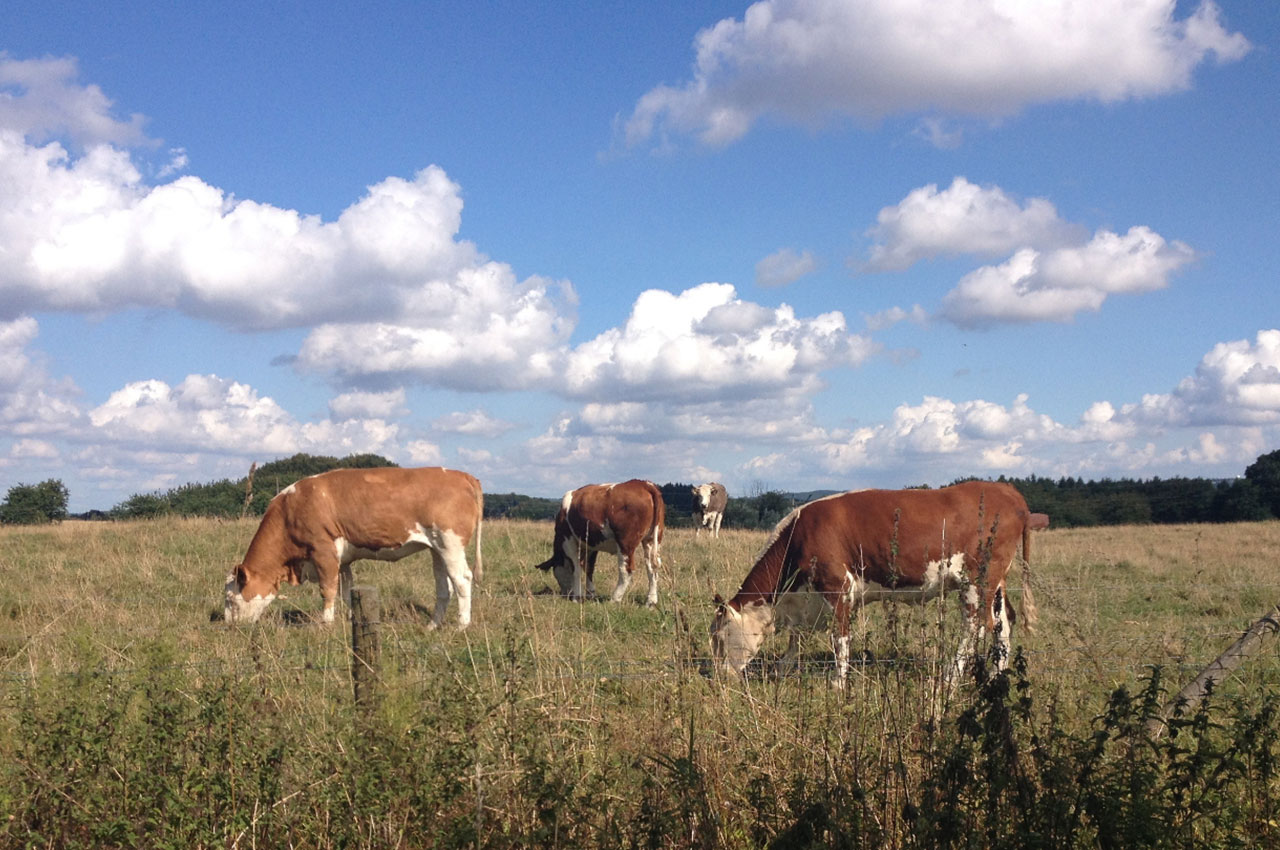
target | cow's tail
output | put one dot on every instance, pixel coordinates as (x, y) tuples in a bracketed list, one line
[(1028, 600), (478, 572), (659, 518)]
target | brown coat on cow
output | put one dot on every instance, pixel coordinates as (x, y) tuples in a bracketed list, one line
[(617, 518), (316, 527), (832, 555)]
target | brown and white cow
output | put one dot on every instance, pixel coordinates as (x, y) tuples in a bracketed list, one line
[(617, 518), (709, 503), (315, 528), (830, 556)]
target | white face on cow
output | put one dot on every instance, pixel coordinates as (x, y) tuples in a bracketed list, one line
[(238, 609), (736, 636), (702, 496)]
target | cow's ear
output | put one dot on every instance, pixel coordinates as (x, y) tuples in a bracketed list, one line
[(719, 600)]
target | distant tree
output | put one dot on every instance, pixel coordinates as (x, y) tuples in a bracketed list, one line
[(1264, 474), (1239, 501), (772, 506), (678, 499), (34, 504), (225, 498)]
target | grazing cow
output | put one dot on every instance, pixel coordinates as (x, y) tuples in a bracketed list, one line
[(617, 518), (316, 527), (709, 502), (835, 554)]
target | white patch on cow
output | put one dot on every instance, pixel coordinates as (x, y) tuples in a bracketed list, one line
[(286, 491), (566, 502), (416, 539), (939, 577)]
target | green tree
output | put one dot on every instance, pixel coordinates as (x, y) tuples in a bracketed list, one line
[(1264, 474), (33, 504)]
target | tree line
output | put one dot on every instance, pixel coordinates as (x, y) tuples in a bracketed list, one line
[(1069, 501)]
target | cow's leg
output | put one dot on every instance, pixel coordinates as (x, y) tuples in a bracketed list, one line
[(625, 559), (328, 570), (972, 634), (1000, 629), (345, 581), (715, 525), (652, 562), (575, 551), (453, 559), (441, 573), (840, 640), (591, 574)]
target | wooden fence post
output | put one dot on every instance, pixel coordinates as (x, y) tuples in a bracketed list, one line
[(366, 615), (1193, 693)]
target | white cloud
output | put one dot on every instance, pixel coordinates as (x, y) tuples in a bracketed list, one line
[(363, 405), (473, 423), (1236, 383), (31, 403), (424, 453), (214, 415), (34, 449), (483, 331), (964, 218), (1055, 285), (84, 232), (783, 267), (706, 344), (41, 98), (888, 318), (805, 60)]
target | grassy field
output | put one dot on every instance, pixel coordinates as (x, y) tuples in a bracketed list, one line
[(132, 716)]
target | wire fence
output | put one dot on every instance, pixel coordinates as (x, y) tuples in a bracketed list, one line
[(673, 645)]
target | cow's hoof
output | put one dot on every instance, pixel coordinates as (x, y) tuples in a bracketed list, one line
[(432, 626)]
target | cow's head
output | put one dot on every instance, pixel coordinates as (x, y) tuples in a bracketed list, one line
[(561, 562), (736, 635), (701, 497), (562, 568), (246, 597)]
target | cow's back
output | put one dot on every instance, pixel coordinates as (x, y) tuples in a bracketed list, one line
[(899, 532), (375, 507)]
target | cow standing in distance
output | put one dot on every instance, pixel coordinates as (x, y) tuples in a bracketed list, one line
[(709, 503), (616, 518), (830, 556), (313, 530)]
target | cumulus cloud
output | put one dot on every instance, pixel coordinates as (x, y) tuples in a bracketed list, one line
[(1056, 285), (783, 267), (472, 423), (1235, 383), (1053, 270), (31, 402), (805, 60), (705, 343), (81, 230), (41, 98), (206, 413), (962, 219), (363, 405)]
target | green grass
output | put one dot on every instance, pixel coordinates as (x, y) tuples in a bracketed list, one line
[(552, 723)]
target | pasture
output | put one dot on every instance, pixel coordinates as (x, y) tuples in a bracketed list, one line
[(130, 715)]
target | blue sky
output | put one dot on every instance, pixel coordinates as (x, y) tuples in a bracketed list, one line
[(796, 244)]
